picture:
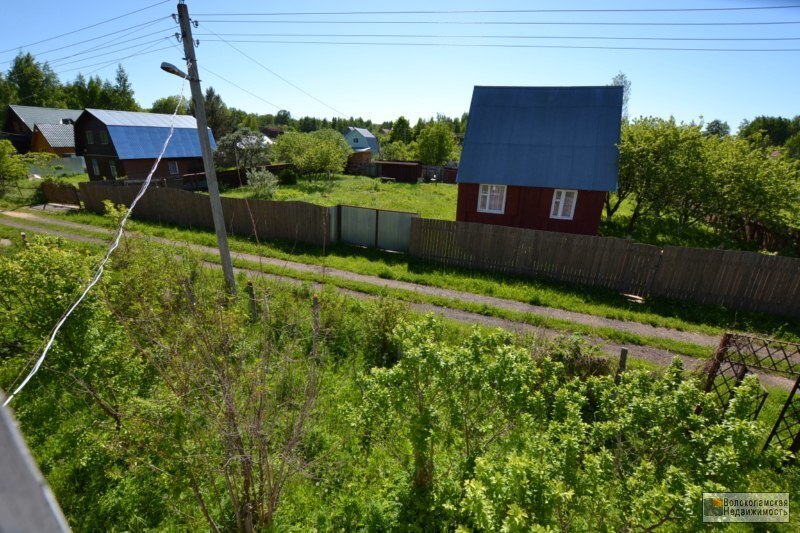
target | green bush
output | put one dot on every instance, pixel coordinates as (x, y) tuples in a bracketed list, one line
[(263, 182), (287, 176)]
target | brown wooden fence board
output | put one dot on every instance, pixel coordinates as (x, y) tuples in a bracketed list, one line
[(291, 221), (739, 280)]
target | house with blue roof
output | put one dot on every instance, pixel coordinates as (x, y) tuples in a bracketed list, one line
[(540, 157), (125, 144), (361, 139)]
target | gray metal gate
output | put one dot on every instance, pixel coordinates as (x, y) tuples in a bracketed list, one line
[(373, 228)]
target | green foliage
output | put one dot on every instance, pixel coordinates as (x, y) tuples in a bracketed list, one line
[(399, 151), (168, 104), (165, 406), (243, 148), (263, 183), (401, 131), (13, 167), (769, 131), (287, 176), (316, 153), (436, 144)]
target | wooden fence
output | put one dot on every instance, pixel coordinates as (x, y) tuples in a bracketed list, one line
[(738, 280), (289, 221), (57, 193)]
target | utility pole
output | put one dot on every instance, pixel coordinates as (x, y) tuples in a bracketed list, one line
[(205, 146)]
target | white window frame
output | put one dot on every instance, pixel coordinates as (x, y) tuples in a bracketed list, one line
[(557, 208), (485, 195), (174, 170)]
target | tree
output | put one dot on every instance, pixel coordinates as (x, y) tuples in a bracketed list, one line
[(621, 80), (435, 144), (318, 152), (755, 188), (401, 131), (283, 117), (718, 128), (398, 151), (243, 148), (35, 84), (12, 166), (774, 131), (123, 99), (662, 168), (168, 104), (8, 95), (218, 115)]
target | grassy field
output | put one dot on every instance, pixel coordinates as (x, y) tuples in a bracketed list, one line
[(598, 302), (428, 199)]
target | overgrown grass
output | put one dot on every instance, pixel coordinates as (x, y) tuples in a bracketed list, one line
[(429, 200), (683, 316)]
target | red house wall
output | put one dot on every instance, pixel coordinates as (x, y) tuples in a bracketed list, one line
[(529, 207), (137, 169)]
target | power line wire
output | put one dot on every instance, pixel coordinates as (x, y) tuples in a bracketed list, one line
[(257, 62), (101, 267), (149, 22), (142, 52), (441, 36), (107, 44), (84, 28), (226, 80), (472, 11), (497, 45), (87, 58), (505, 23)]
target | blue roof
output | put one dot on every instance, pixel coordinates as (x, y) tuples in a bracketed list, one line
[(142, 135), (372, 142), (556, 137)]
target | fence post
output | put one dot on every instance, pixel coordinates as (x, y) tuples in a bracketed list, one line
[(623, 363)]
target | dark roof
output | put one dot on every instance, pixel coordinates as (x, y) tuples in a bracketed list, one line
[(372, 142), (26, 503), (58, 135), (142, 135), (557, 137), (43, 115)]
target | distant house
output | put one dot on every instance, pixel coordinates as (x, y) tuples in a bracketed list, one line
[(54, 138), (21, 122), (119, 144), (361, 139), (540, 157)]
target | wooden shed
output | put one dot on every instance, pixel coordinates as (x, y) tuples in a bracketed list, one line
[(540, 157)]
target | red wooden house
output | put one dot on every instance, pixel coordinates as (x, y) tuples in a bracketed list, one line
[(540, 157)]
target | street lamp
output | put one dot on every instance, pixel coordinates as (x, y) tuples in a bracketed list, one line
[(205, 144)]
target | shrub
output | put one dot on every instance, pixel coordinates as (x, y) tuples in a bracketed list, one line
[(287, 176), (263, 182)]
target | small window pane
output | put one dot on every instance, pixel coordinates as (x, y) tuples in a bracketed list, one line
[(89, 137), (95, 167), (103, 137), (173, 167), (113, 169)]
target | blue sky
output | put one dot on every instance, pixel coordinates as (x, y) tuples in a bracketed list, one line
[(377, 81)]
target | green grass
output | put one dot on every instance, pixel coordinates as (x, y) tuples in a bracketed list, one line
[(565, 326), (429, 200), (671, 314)]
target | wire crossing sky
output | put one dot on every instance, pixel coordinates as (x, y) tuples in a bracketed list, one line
[(695, 60)]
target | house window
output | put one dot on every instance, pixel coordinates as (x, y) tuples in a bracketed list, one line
[(89, 137), (355, 140), (492, 199), (173, 168), (103, 137), (563, 204), (95, 166), (113, 166)]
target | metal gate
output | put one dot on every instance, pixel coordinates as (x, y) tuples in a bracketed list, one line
[(373, 228)]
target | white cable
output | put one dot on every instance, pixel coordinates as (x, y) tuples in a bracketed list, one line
[(98, 274)]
